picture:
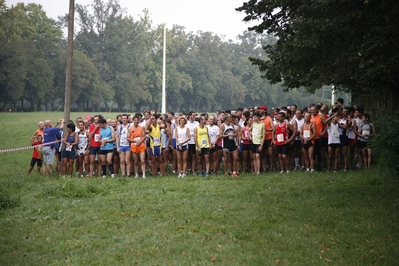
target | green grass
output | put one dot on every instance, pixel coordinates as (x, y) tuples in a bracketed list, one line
[(347, 218)]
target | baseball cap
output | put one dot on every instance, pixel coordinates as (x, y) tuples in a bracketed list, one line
[(264, 108)]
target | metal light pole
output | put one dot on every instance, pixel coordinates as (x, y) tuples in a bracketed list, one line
[(68, 82), (164, 71)]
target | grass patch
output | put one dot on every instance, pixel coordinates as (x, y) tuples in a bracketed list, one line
[(299, 218)]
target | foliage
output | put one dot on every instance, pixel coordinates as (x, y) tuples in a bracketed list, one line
[(386, 143), (352, 44), (117, 64)]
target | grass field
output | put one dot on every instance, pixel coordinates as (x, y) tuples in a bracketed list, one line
[(340, 218)]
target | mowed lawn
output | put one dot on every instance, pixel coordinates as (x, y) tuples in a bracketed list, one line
[(299, 218)]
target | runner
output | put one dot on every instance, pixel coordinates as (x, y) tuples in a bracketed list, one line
[(37, 153), (247, 162), (298, 155), (202, 143), (367, 132), (107, 139), (182, 139), (308, 133), (258, 132), (137, 141), (214, 132), (83, 148), (155, 148), (281, 140), (229, 146), (192, 124), (49, 136), (70, 140), (123, 146), (95, 143), (334, 142)]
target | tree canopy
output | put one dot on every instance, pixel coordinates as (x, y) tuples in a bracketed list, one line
[(352, 44), (117, 63)]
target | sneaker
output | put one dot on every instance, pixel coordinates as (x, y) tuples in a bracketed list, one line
[(104, 176), (200, 173), (183, 175), (311, 170), (344, 169), (136, 176), (307, 170), (112, 175), (281, 171), (335, 170), (206, 175), (257, 173), (288, 171), (143, 176), (179, 175), (234, 174)]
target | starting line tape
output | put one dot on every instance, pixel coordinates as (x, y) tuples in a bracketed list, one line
[(27, 147)]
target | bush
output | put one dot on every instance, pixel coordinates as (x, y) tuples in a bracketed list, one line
[(386, 142)]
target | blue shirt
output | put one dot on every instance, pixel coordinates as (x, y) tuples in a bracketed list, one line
[(106, 134), (49, 135)]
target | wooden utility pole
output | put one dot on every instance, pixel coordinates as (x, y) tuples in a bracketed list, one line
[(68, 83)]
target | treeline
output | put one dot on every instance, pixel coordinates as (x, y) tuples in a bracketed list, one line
[(117, 64)]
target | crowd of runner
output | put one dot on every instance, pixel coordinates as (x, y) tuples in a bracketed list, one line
[(247, 140)]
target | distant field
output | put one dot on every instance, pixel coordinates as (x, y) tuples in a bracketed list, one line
[(339, 218)]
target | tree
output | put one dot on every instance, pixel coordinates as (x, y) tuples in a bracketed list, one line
[(352, 44)]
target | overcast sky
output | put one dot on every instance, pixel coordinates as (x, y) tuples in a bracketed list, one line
[(218, 16)]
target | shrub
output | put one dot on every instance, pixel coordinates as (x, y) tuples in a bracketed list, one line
[(386, 142)]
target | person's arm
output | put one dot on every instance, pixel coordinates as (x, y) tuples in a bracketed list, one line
[(196, 140), (76, 139), (313, 128), (273, 137), (188, 135), (148, 124), (292, 135), (355, 129), (295, 126), (264, 135), (170, 135), (112, 136), (117, 139), (32, 138), (239, 136), (272, 127), (373, 129), (91, 133), (61, 123), (344, 126), (221, 130)]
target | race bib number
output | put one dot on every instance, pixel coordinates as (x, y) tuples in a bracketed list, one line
[(280, 138), (124, 141), (306, 133), (204, 143), (97, 137), (137, 140), (157, 141), (366, 132), (335, 133), (68, 148), (255, 132)]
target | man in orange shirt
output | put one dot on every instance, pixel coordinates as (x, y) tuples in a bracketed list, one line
[(318, 120), (267, 151)]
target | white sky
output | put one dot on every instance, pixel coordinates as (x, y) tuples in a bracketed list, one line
[(218, 16)]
